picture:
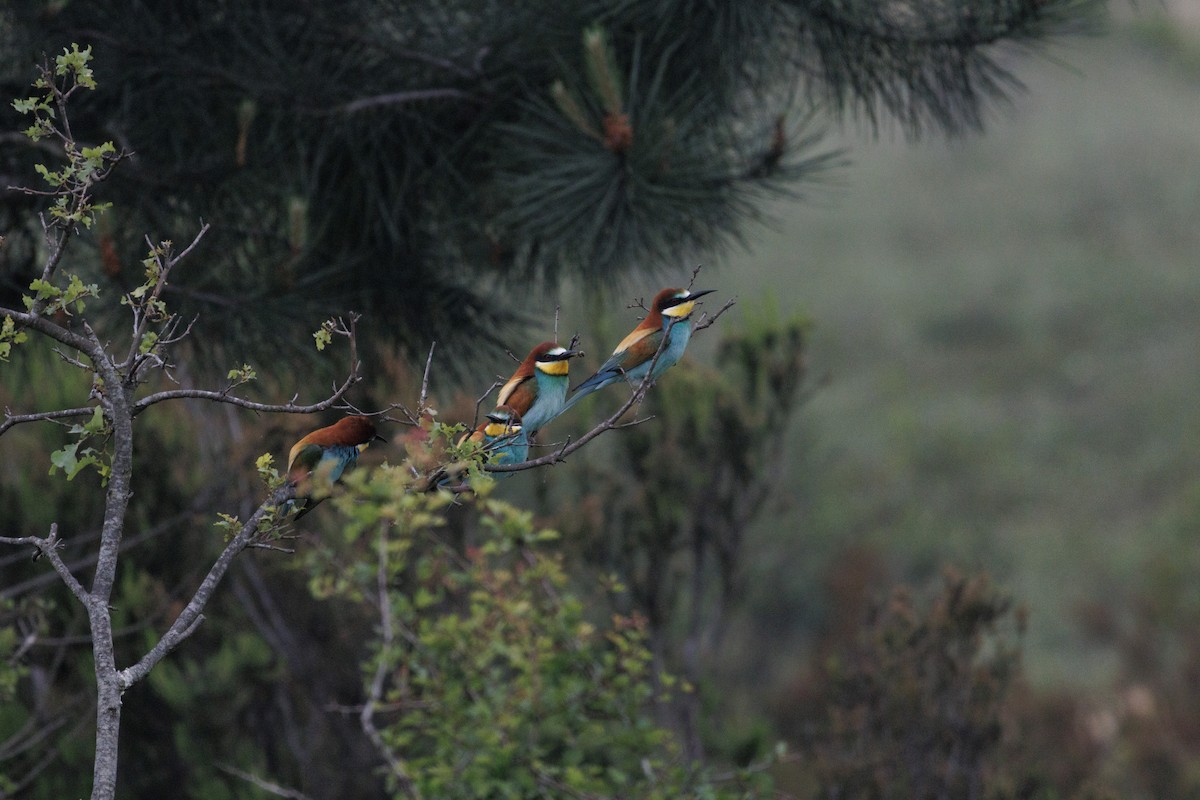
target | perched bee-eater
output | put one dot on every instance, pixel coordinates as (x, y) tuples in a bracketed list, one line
[(317, 461), (504, 437), (503, 440), (538, 389), (670, 315)]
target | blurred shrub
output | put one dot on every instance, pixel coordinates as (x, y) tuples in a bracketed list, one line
[(917, 702), (667, 511), (1149, 725), (487, 678)]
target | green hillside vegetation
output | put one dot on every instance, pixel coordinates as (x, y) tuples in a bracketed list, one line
[(1008, 330)]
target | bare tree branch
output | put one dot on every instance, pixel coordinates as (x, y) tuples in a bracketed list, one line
[(48, 547), (482, 397), (400, 98), (16, 590), (705, 320), (12, 420), (425, 380), (223, 397), (354, 376), (55, 331), (142, 319), (375, 695), (191, 617), (265, 785)]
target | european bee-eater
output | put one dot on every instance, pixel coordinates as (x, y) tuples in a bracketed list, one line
[(504, 437), (538, 389), (670, 315), (318, 460), (503, 440)]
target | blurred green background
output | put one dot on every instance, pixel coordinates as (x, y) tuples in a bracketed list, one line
[(1007, 338)]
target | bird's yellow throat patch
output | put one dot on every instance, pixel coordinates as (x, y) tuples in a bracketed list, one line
[(496, 429), (554, 367), (681, 310)]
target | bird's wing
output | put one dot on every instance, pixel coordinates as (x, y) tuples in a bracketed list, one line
[(640, 350), (519, 393), (637, 348), (303, 459), (638, 334)]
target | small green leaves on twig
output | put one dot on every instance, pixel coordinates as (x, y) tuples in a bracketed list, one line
[(9, 335), (72, 460), (72, 67), (341, 327), (335, 326), (59, 299), (146, 297), (70, 186), (324, 335), (73, 64), (265, 464), (243, 374), (227, 523)]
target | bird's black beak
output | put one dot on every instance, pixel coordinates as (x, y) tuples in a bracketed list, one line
[(563, 356), (701, 293), (378, 438)]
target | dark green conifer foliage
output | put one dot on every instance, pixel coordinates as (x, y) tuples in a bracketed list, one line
[(420, 161)]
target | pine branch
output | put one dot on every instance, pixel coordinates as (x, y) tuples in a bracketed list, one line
[(927, 64)]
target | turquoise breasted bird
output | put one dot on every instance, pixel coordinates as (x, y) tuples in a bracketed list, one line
[(317, 461), (503, 436), (503, 439), (670, 313), (538, 389)]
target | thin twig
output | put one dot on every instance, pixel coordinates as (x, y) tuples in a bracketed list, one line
[(222, 397), (11, 419), (290, 407), (265, 785), (191, 616), (425, 380), (48, 548), (400, 98), (705, 320), (74, 362), (482, 397), (375, 695), (142, 319)]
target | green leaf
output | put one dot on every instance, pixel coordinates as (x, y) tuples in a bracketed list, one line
[(74, 61), (9, 335), (96, 423), (243, 374), (44, 289), (64, 459), (71, 462), (148, 342), (324, 338)]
